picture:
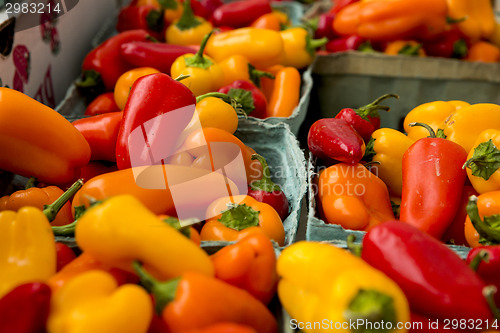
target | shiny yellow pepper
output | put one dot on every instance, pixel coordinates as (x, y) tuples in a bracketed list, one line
[(125, 82), (205, 75), (27, 248), (389, 146), (321, 283), (465, 125), (483, 162), (121, 230), (218, 110), (299, 47), (478, 17), (433, 114), (188, 29), (92, 302)]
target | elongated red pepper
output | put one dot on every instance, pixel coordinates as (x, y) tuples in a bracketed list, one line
[(433, 181), (101, 132), (436, 281), (485, 260), (448, 44), (346, 43), (25, 309), (104, 63), (366, 119), (205, 8), (150, 99), (324, 27), (332, 138), (147, 17), (103, 103), (251, 98), (157, 55), (240, 13)]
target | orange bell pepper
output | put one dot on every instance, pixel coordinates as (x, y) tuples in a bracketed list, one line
[(483, 217), (286, 93), (37, 141), (383, 20), (405, 47), (353, 197), (244, 216), (249, 264), (484, 52)]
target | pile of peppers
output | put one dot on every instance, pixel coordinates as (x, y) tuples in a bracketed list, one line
[(459, 29)]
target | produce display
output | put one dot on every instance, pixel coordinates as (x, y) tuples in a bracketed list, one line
[(167, 204)]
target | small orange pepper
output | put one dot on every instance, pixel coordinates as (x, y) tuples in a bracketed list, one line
[(273, 21), (267, 83), (286, 93), (244, 217), (484, 52), (405, 47), (224, 328), (481, 225), (125, 82), (237, 67)]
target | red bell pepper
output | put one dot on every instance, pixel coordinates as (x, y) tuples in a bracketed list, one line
[(366, 119), (251, 98), (485, 260), (103, 103), (144, 118), (160, 56), (448, 44), (25, 309), (455, 233), (433, 181), (101, 132), (435, 280), (250, 264), (240, 13), (265, 190), (104, 64), (147, 17), (346, 43), (332, 138), (64, 255)]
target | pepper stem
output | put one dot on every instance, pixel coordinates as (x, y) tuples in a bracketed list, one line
[(432, 134), (188, 20), (65, 230), (371, 306), (226, 98), (198, 60), (483, 228), (239, 217), (313, 44), (265, 183), (478, 259), (371, 110), (182, 77), (256, 74), (51, 210), (355, 249), (488, 293), (30, 183), (163, 292)]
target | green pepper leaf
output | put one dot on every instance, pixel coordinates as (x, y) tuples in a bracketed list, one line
[(79, 211), (492, 223), (244, 98), (485, 160), (176, 224), (154, 20), (239, 217)]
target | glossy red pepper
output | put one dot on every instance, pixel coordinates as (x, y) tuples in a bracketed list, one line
[(64, 255), (205, 8), (25, 309), (435, 280), (448, 44), (250, 97), (147, 17), (324, 27), (103, 103), (104, 63), (240, 13), (96, 168), (101, 132), (486, 261), (433, 181), (346, 43), (455, 234), (339, 4), (160, 56), (366, 119), (150, 99), (267, 191), (332, 138)]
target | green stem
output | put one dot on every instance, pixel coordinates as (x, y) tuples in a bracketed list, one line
[(239, 217), (182, 77), (163, 292), (188, 20), (482, 227), (51, 210), (198, 60), (265, 183), (30, 183), (478, 259), (372, 306), (355, 249), (427, 127), (256, 74), (226, 98), (488, 293), (65, 230), (410, 50), (371, 109), (313, 44)]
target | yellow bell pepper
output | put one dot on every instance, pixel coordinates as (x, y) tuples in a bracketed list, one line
[(433, 114), (92, 302), (121, 229), (205, 75), (389, 146), (27, 248), (324, 287), (300, 49), (188, 29), (465, 125), (478, 17), (483, 162)]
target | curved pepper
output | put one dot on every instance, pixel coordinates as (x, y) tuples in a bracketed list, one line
[(194, 301), (121, 230), (125, 82), (455, 233), (103, 103), (28, 251), (478, 18), (485, 260), (285, 95), (250, 264), (483, 214), (92, 302), (252, 100), (239, 14), (146, 17), (188, 29), (205, 75), (299, 47), (237, 67), (263, 48), (232, 218), (352, 196), (37, 141), (382, 20), (431, 205), (323, 283), (483, 162)]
